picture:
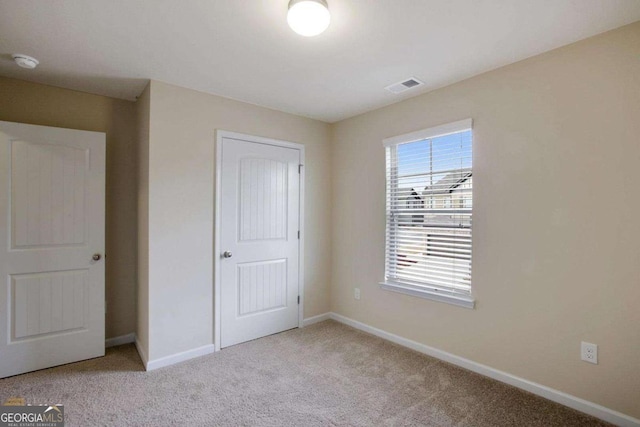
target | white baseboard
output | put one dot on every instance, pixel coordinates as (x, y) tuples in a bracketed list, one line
[(179, 357), (141, 353), (315, 319), (122, 339), (565, 399), (150, 365)]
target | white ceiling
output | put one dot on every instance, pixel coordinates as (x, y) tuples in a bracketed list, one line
[(243, 49)]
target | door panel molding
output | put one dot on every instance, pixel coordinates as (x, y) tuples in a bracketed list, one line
[(270, 235)]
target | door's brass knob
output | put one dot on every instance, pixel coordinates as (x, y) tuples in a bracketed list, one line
[(97, 257)]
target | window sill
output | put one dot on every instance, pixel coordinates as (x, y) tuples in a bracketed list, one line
[(461, 301)]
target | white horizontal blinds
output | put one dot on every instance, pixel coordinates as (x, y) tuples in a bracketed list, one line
[(429, 209)]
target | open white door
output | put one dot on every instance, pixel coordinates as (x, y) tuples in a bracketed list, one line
[(259, 242), (52, 190)]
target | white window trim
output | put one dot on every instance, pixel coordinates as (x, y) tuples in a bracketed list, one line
[(442, 130), (459, 300), (434, 295)]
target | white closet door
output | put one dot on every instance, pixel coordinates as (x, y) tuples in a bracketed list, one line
[(259, 223)]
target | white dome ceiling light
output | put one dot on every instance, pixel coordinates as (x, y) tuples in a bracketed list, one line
[(308, 17), (25, 61)]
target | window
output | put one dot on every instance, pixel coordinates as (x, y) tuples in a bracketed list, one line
[(429, 212)]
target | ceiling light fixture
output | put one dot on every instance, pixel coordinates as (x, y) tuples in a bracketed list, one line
[(308, 17), (25, 61)]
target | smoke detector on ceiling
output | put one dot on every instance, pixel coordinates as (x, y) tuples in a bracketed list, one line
[(25, 61), (405, 85)]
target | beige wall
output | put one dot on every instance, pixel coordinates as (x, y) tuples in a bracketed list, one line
[(143, 118), (181, 208), (37, 104), (556, 245)]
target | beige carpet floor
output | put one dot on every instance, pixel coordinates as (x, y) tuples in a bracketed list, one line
[(326, 374)]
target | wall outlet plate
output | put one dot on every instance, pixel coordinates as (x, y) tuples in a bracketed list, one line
[(356, 293), (589, 352)]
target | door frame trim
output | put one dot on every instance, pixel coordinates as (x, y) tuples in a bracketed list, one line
[(220, 134)]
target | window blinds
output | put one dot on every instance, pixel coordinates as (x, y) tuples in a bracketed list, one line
[(429, 210)]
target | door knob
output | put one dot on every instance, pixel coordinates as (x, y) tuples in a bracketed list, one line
[(227, 254), (96, 257)]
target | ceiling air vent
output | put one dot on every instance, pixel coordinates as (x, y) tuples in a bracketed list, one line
[(404, 85)]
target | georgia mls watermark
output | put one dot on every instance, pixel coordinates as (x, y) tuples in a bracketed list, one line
[(17, 414)]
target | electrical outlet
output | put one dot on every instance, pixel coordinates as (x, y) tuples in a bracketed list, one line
[(589, 352), (356, 293)]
